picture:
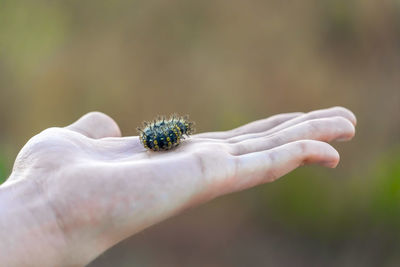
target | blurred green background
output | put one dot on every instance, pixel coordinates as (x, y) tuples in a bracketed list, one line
[(225, 63)]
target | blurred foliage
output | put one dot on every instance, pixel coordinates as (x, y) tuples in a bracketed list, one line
[(306, 201), (385, 200), (225, 63)]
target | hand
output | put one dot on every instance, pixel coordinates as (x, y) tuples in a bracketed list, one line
[(76, 191)]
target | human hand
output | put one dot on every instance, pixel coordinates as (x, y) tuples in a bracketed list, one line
[(76, 191)]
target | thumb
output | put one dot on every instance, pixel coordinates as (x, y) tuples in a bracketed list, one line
[(96, 125)]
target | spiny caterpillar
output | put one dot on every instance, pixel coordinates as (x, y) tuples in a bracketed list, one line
[(163, 134)]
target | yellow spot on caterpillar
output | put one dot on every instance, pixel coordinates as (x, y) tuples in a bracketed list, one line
[(168, 139), (155, 142)]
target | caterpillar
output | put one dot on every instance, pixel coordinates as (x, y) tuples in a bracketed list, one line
[(164, 134)]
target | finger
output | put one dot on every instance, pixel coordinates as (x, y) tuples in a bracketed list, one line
[(266, 166), (252, 127), (96, 125), (318, 114), (327, 129)]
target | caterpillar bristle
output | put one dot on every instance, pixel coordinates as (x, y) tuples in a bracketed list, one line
[(175, 116), (139, 130)]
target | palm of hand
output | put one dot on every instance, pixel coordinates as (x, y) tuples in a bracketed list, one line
[(102, 188)]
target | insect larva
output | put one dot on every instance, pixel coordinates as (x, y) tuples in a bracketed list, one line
[(164, 134)]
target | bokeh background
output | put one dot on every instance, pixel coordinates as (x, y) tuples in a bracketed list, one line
[(225, 63)]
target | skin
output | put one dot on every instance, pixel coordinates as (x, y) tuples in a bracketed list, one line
[(76, 191)]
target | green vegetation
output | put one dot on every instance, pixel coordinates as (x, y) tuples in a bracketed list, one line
[(315, 203), (385, 199)]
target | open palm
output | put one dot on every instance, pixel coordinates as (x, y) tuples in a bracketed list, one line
[(100, 188)]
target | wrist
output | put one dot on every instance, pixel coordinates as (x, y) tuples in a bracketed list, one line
[(29, 232)]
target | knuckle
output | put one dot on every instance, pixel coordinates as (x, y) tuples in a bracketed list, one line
[(304, 146)]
